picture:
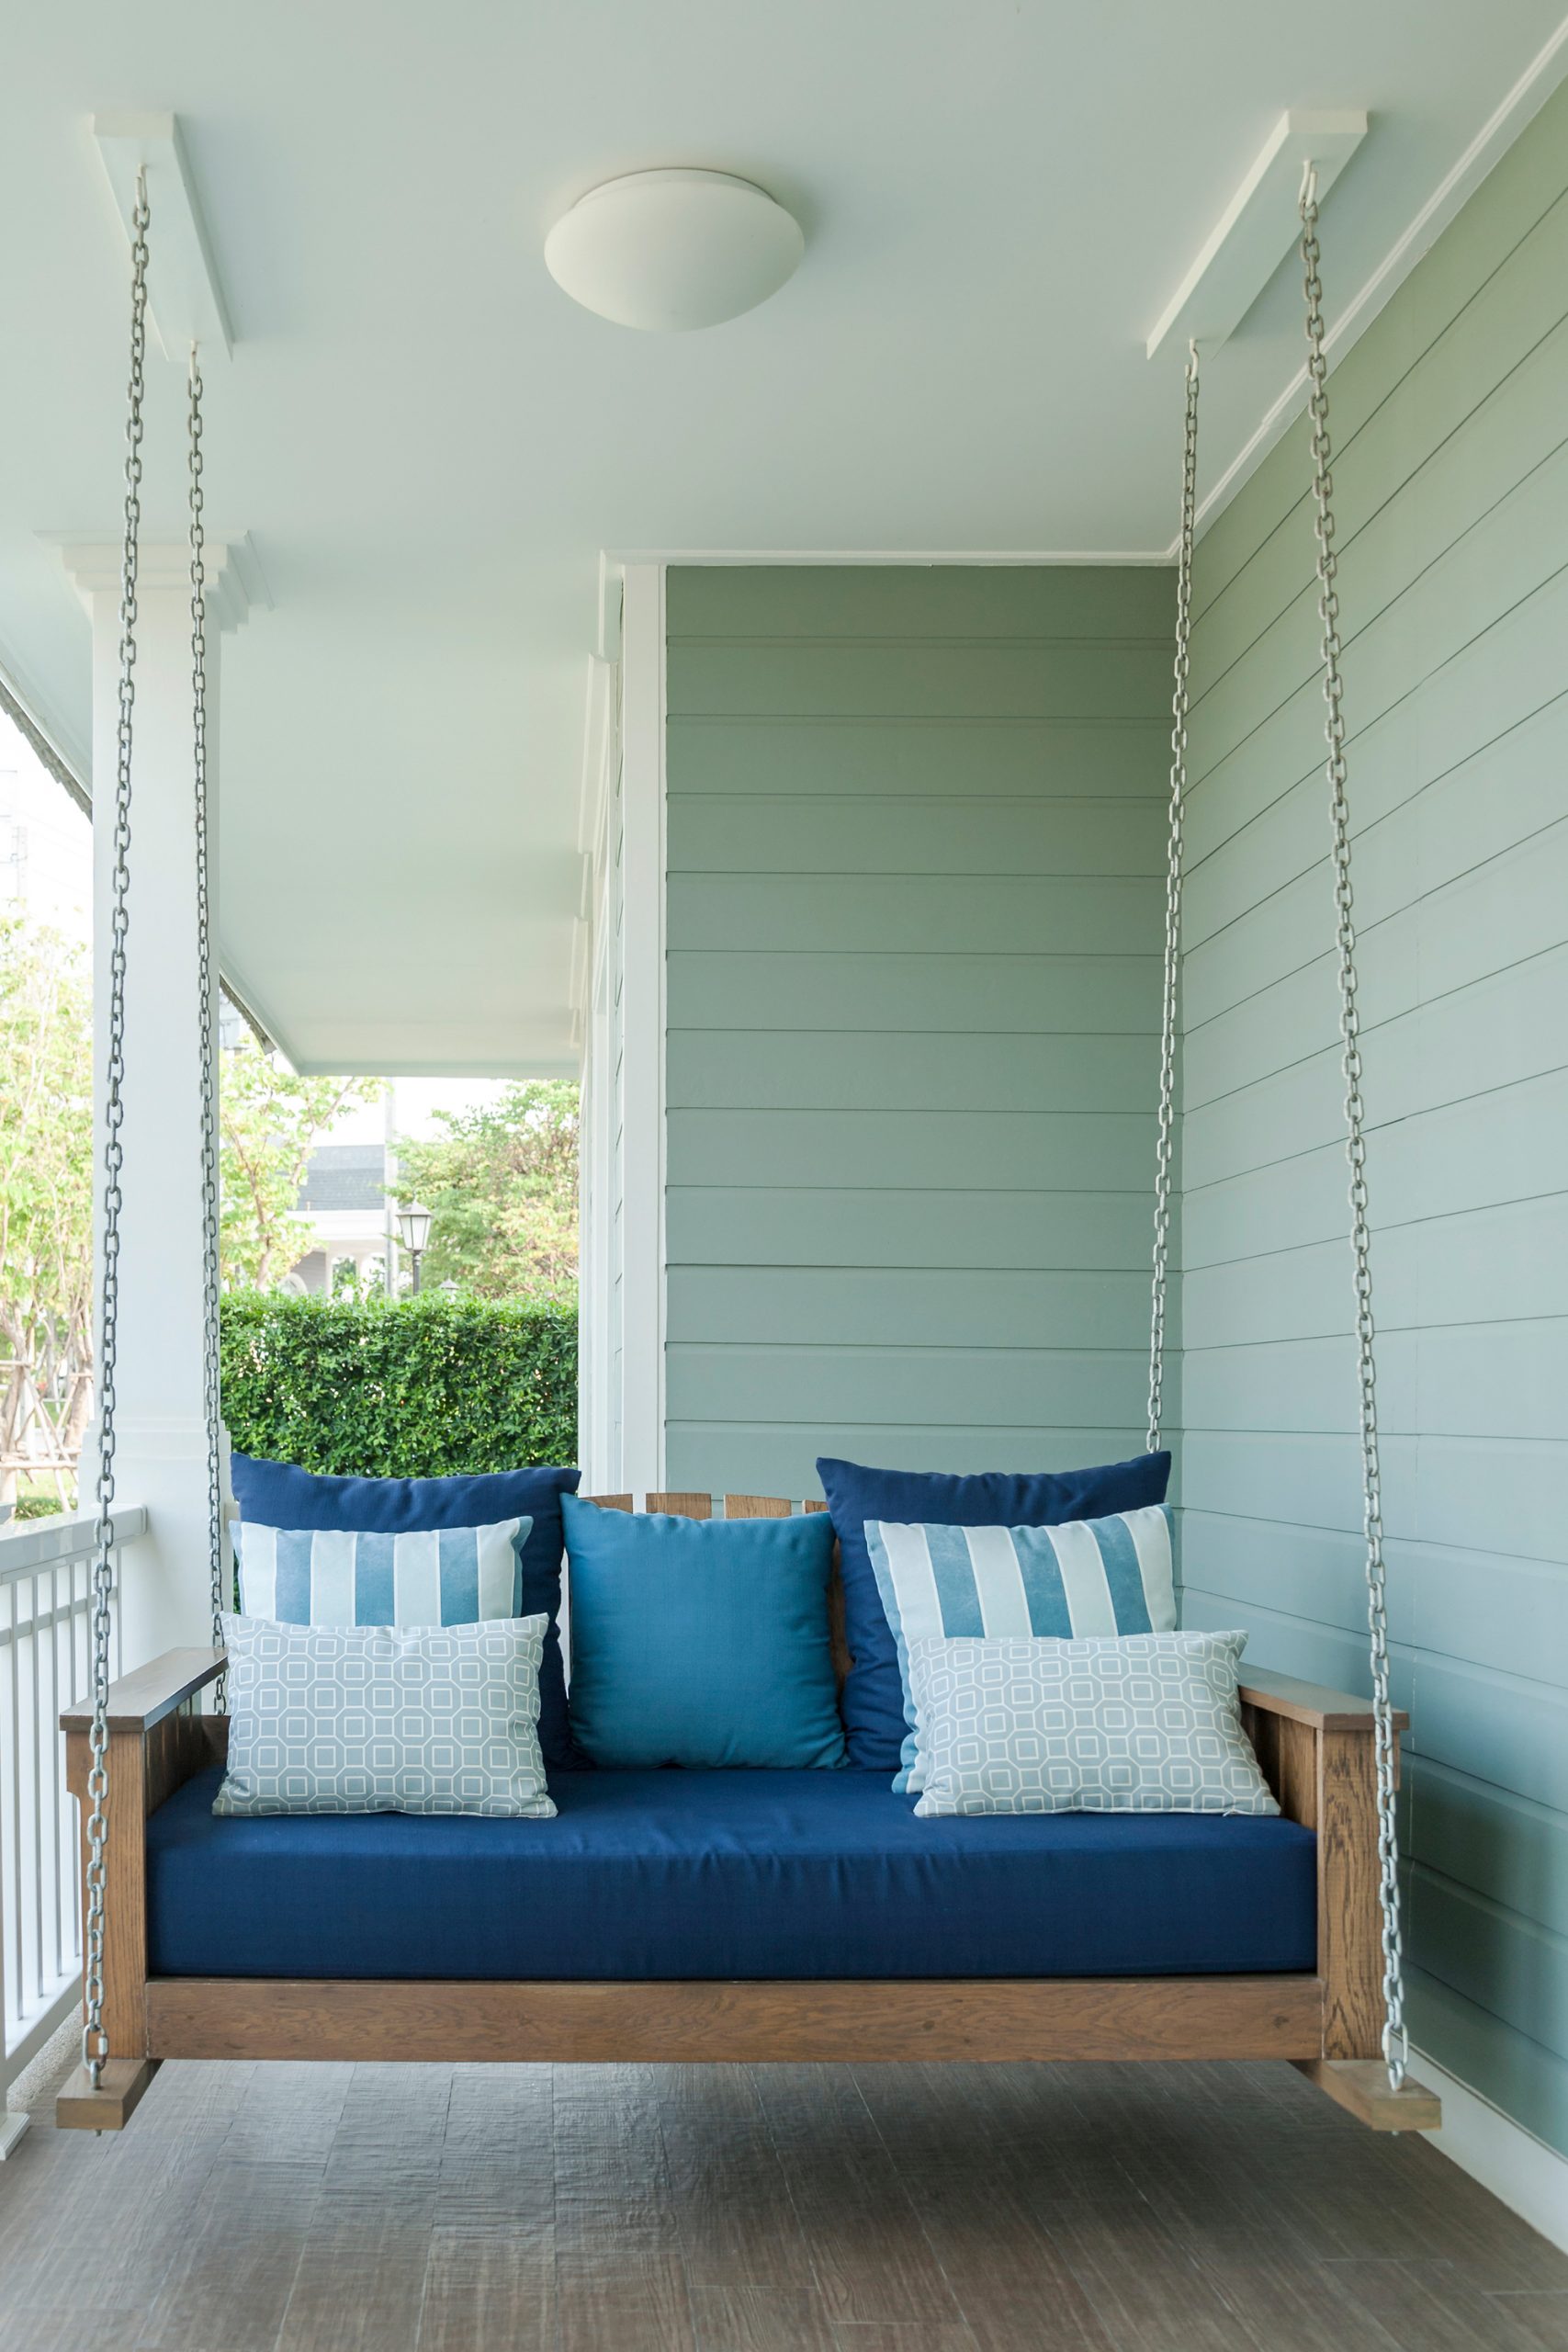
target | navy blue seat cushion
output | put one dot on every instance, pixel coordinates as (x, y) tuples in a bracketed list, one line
[(276, 1494), (873, 1696), (725, 1874)]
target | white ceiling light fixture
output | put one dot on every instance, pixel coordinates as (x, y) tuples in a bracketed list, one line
[(667, 251)]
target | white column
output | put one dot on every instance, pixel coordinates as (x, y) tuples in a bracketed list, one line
[(642, 1047), (161, 1451)]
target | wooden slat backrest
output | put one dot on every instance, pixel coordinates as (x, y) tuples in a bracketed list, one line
[(701, 1505), (749, 1507)]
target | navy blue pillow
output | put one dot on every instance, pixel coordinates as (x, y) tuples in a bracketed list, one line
[(280, 1496), (873, 1697)]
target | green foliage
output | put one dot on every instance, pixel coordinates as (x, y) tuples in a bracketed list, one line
[(349, 1283), (46, 1196), (38, 1506), (269, 1122), (501, 1187), (420, 1390)]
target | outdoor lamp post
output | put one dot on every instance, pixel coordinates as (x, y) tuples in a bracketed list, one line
[(413, 1230)]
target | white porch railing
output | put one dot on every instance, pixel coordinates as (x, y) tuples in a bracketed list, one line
[(45, 1601)]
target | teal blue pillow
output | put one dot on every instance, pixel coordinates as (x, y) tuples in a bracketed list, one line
[(701, 1641)]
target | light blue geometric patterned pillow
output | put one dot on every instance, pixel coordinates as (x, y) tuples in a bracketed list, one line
[(446, 1575), (1086, 1577), (1147, 1724), (375, 1719)]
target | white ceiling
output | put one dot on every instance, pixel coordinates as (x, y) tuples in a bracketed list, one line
[(430, 444)]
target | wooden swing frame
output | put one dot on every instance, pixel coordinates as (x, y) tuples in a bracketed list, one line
[(1316, 1750)]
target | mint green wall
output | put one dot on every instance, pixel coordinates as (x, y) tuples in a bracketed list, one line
[(915, 829), (1451, 429)]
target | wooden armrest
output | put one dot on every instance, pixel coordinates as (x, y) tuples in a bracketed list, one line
[(1310, 1702), (154, 1746), (139, 1700), (1316, 1753)]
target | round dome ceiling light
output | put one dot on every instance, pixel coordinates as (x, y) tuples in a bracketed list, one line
[(672, 250)]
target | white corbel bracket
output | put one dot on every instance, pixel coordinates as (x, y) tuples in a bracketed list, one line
[(184, 301)]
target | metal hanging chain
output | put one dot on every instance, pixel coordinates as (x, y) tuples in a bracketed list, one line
[(1181, 694), (1395, 2041), (211, 1291), (95, 2042)]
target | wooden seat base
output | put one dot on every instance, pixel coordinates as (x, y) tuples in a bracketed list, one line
[(986, 2019), (981, 2020)]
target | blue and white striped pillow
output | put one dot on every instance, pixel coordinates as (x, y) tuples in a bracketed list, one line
[(1088, 1576), (324, 1576)]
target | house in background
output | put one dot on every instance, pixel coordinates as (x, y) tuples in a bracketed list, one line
[(349, 1193), (344, 1199)]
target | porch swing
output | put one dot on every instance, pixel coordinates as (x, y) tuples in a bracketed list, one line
[(1330, 1758)]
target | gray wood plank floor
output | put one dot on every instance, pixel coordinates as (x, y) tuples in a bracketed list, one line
[(788, 2209)]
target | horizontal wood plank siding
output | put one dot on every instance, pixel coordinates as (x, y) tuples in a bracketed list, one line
[(915, 837), (1450, 433)]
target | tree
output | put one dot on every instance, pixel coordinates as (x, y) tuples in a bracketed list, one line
[(46, 1199), (270, 1120), (501, 1187)]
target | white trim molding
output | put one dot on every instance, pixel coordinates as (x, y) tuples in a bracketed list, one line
[(923, 557), (1521, 2171), (599, 754), (642, 997), (597, 1162), (596, 971), (598, 735)]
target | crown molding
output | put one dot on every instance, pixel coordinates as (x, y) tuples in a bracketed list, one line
[(235, 580), (615, 560)]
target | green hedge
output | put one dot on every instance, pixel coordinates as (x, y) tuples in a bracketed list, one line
[(420, 1390), (37, 1507)]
